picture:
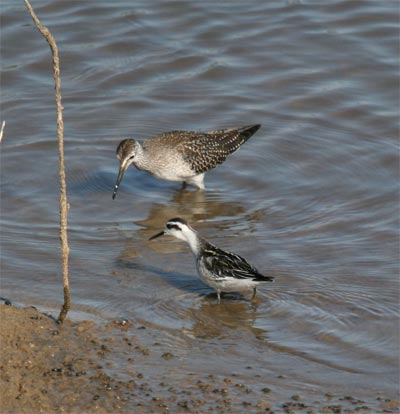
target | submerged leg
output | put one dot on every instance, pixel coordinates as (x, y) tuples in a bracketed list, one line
[(254, 293)]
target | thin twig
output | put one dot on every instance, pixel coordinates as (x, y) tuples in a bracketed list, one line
[(63, 186), (3, 125)]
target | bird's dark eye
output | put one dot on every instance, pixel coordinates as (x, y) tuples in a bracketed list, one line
[(172, 226), (131, 157)]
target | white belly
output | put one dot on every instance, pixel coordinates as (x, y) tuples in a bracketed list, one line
[(169, 165), (226, 284)]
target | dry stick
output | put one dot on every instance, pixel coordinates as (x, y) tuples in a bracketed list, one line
[(63, 187), (3, 125)]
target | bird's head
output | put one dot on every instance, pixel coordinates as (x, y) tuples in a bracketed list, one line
[(178, 228), (126, 153)]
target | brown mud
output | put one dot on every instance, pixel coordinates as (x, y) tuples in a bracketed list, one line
[(50, 368)]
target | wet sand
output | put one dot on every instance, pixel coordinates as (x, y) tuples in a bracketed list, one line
[(48, 368)]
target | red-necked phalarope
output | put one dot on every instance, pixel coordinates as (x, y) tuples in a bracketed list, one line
[(221, 270)]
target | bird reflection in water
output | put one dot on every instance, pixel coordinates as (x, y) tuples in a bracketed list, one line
[(213, 320)]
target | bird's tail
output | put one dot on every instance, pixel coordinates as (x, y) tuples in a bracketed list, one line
[(262, 278), (247, 131), (231, 139)]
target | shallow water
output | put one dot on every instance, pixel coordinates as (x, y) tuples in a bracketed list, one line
[(311, 199)]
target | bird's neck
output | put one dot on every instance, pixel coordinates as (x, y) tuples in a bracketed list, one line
[(194, 241), (141, 159)]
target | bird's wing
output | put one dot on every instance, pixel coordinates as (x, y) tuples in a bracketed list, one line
[(204, 151), (225, 264)]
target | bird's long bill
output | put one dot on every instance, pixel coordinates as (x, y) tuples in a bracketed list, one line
[(121, 171), (157, 235)]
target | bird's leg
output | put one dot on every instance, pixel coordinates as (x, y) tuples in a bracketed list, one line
[(219, 296), (184, 185), (254, 293)]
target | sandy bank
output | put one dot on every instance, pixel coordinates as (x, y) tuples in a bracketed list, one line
[(47, 368)]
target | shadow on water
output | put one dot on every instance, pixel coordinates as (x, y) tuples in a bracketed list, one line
[(174, 278)]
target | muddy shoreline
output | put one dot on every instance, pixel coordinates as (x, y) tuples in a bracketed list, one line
[(48, 368)]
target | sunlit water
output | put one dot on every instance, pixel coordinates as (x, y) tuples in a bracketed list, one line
[(311, 199)]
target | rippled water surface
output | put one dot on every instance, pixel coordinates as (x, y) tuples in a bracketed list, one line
[(311, 199)]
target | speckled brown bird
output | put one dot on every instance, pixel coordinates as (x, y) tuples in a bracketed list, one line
[(181, 155)]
